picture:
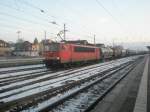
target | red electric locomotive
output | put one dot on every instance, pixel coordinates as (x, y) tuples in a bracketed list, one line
[(64, 53)]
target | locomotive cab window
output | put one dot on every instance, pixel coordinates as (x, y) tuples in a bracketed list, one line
[(52, 47)]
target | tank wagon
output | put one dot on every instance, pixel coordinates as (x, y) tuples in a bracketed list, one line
[(124, 53), (106, 53), (117, 51), (130, 52)]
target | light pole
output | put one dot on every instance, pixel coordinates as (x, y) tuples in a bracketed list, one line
[(94, 40), (18, 32), (44, 43), (64, 32)]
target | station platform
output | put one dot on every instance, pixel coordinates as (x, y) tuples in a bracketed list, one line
[(141, 100), (132, 94)]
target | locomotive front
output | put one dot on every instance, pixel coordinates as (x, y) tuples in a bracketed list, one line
[(51, 54)]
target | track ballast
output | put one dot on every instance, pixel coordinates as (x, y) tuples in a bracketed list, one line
[(44, 90)]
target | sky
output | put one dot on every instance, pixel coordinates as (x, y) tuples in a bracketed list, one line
[(112, 21)]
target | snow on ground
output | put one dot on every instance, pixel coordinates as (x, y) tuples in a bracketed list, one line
[(21, 67), (48, 84)]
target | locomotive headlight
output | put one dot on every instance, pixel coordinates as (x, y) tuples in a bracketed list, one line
[(58, 58)]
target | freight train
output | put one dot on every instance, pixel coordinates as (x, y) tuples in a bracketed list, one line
[(68, 53)]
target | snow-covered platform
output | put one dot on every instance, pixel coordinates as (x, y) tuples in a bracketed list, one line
[(132, 94), (141, 100)]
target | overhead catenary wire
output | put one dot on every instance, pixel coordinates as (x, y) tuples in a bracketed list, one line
[(33, 15), (16, 4), (31, 5), (75, 13), (120, 14), (107, 11), (33, 22), (44, 12), (38, 8), (21, 19), (85, 34), (83, 27), (27, 20), (123, 29), (14, 27), (41, 10), (36, 17)]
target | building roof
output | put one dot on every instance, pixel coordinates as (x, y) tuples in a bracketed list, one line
[(4, 42)]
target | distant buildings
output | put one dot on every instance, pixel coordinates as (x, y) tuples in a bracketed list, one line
[(35, 49), (27, 48), (4, 48), (23, 48), (41, 45)]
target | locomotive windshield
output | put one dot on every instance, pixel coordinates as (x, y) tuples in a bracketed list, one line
[(52, 47)]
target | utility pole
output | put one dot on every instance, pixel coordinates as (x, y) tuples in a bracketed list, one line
[(18, 32), (44, 41), (113, 43), (64, 32), (94, 40), (45, 36)]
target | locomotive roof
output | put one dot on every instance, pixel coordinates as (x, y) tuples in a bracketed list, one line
[(83, 45)]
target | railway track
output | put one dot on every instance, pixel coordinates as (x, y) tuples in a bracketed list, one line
[(24, 94), (11, 62), (85, 97), (20, 68)]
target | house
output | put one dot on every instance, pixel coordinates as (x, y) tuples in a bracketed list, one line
[(35, 49), (41, 45), (4, 48), (31, 49), (23, 49)]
